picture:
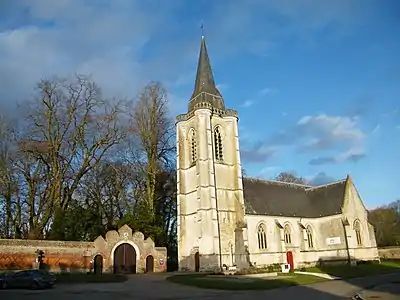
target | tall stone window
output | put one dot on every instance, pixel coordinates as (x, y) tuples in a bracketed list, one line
[(262, 236), (193, 146), (310, 237), (287, 234), (218, 144), (357, 229)]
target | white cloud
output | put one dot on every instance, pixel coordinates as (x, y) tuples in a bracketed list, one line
[(222, 87), (339, 136), (326, 130), (258, 96), (320, 178), (102, 41), (124, 43), (257, 153), (247, 103), (265, 91), (376, 129), (392, 113), (268, 171)]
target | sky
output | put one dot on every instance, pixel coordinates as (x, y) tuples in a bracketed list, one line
[(316, 82)]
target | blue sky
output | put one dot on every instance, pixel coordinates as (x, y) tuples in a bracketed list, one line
[(316, 83)]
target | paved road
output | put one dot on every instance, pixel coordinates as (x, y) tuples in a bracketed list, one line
[(149, 287), (389, 291)]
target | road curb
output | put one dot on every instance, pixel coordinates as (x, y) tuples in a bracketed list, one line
[(358, 296)]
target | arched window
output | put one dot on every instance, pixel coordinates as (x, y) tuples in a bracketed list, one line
[(218, 144), (262, 236), (287, 233), (310, 237), (357, 229), (193, 146)]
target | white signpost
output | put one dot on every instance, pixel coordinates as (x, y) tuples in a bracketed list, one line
[(333, 240)]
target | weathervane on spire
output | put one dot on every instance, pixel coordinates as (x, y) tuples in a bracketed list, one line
[(202, 29)]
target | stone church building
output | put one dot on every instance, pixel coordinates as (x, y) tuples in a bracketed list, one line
[(226, 220)]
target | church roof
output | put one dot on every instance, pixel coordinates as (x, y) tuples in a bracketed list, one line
[(205, 90), (275, 198)]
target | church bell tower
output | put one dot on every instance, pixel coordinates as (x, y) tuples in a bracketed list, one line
[(210, 190)]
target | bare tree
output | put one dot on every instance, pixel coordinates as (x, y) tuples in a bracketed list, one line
[(386, 221), (70, 128), (291, 178), (154, 131), (9, 226)]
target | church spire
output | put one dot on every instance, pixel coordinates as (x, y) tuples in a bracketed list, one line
[(205, 89)]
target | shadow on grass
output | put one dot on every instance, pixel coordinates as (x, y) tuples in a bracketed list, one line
[(362, 269), (364, 276), (248, 283)]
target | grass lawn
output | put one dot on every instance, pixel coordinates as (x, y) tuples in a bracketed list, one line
[(88, 278), (346, 271), (231, 283)]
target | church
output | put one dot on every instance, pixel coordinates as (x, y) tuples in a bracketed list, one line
[(227, 220)]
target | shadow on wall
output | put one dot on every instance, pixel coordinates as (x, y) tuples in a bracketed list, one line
[(16, 262), (204, 263), (29, 263), (391, 252)]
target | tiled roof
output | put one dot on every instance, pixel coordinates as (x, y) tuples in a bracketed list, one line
[(275, 198)]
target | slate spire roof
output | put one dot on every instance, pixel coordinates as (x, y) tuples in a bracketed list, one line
[(205, 90), (275, 198)]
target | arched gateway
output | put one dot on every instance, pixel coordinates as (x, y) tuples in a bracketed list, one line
[(125, 259), (149, 264), (98, 264)]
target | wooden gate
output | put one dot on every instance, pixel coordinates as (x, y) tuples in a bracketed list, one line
[(149, 264), (289, 259), (125, 259), (98, 264), (197, 262)]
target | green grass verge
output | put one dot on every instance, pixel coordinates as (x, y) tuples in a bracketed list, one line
[(231, 283), (65, 278), (346, 271)]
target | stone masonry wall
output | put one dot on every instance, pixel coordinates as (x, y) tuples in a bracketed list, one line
[(389, 252)]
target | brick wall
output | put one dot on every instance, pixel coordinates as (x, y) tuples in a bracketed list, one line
[(68, 256), (389, 252), (59, 255)]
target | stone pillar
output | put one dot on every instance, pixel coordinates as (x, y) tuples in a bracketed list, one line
[(87, 261)]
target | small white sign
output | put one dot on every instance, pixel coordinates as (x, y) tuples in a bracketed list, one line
[(333, 240)]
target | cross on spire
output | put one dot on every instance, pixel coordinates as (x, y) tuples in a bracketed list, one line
[(204, 84)]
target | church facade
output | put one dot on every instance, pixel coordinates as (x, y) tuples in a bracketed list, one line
[(226, 220)]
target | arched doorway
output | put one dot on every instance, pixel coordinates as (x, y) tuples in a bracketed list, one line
[(125, 259), (149, 264), (98, 264), (197, 262)]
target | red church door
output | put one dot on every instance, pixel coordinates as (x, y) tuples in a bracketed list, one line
[(289, 259)]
